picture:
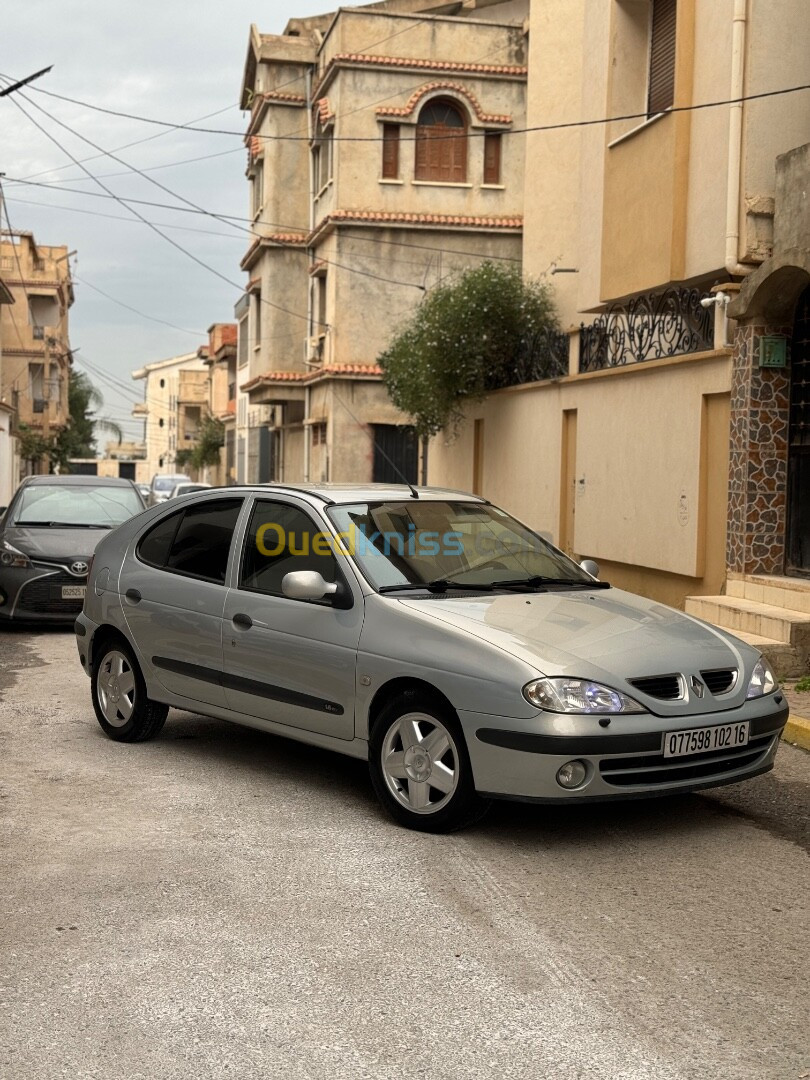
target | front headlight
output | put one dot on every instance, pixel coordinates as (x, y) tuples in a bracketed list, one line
[(11, 556), (578, 696), (763, 681)]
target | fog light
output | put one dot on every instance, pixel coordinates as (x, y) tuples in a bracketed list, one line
[(571, 774)]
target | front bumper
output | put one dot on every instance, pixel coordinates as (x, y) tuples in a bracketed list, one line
[(520, 759), (35, 594)]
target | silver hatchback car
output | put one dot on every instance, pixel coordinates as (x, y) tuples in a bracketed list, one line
[(425, 630)]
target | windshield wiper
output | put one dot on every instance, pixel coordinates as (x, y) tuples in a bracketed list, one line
[(440, 585), (541, 582), (60, 525)]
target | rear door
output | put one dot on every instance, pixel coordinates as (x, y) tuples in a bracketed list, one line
[(173, 589), (290, 661)]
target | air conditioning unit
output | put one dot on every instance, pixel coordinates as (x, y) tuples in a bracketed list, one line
[(262, 416), (314, 348)]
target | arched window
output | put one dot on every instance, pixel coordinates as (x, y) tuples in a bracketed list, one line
[(441, 143)]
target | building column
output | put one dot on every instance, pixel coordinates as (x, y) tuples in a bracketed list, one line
[(760, 401)]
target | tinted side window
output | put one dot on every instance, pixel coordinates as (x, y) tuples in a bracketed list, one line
[(281, 539), (203, 540), (154, 546)]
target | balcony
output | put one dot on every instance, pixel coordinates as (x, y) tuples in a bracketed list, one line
[(652, 326)]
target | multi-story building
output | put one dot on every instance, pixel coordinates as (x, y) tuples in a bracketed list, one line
[(34, 331), (379, 163), (175, 391), (220, 357), (674, 452), (8, 463)]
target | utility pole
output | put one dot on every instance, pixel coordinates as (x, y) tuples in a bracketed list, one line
[(24, 82)]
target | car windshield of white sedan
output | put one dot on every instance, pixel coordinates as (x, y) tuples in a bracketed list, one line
[(80, 505), (448, 544)]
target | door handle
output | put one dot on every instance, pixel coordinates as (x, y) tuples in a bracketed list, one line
[(244, 621), (133, 595)]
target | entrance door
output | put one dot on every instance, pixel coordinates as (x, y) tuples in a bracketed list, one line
[(798, 520), (568, 481)]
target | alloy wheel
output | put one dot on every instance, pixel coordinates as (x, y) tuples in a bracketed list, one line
[(116, 688), (420, 763)]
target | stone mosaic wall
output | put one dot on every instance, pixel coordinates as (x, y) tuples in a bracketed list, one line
[(760, 399)]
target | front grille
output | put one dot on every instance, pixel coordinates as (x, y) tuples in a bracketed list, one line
[(44, 595), (647, 771), (664, 687), (721, 680)]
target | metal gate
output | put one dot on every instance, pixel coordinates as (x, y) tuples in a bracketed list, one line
[(396, 454), (798, 504)]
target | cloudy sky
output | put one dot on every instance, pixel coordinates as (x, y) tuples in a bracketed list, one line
[(163, 59)]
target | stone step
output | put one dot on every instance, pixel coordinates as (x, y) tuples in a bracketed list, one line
[(786, 660), (788, 592), (736, 613)]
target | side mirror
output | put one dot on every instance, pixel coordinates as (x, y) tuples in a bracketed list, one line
[(309, 585), (590, 567)]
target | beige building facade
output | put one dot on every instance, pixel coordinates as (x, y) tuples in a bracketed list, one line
[(34, 333), (672, 452), (378, 165), (168, 384)]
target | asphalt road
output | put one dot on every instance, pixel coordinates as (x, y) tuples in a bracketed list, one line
[(221, 903)]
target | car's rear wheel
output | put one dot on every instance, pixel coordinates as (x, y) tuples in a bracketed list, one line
[(122, 707), (420, 767)]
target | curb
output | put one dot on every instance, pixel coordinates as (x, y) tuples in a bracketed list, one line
[(797, 731)]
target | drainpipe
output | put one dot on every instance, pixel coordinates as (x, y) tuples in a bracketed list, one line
[(310, 257), (735, 135)]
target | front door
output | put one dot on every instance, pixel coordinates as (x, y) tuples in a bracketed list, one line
[(289, 661), (798, 508)]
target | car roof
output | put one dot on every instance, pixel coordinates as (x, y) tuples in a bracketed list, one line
[(80, 480), (336, 494)]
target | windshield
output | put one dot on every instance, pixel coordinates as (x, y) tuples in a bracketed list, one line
[(166, 483), (418, 542), (83, 505)]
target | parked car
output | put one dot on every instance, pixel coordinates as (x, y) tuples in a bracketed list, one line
[(425, 630), (48, 535), (163, 485), (188, 487), (144, 489)]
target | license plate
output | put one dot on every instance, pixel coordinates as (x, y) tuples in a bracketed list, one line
[(703, 740), (73, 592)]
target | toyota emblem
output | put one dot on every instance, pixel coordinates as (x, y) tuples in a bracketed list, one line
[(78, 568)]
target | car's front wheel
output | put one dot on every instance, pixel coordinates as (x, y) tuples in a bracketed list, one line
[(420, 767), (122, 707)]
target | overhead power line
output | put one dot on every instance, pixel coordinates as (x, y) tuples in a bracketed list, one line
[(471, 134), (179, 247)]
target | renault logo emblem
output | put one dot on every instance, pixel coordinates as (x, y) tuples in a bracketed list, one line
[(697, 686), (78, 568)]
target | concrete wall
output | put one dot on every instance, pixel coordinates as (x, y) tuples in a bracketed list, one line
[(646, 497)]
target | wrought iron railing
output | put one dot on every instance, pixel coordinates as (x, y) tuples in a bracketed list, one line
[(649, 327), (544, 355)]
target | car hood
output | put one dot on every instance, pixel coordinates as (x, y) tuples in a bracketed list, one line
[(48, 543), (607, 635)]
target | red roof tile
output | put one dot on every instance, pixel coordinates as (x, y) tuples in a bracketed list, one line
[(513, 70), (268, 378), (458, 88), (394, 218)]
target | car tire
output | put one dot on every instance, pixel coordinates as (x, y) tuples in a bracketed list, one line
[(420, 768), (122, 707)]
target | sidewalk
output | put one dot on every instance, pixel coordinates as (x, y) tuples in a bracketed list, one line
[(797, 729)]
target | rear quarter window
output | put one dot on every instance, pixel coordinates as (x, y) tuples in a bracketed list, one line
[(195, 541)]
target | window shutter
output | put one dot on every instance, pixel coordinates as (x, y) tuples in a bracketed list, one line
[(661, 94), (492, 159), (390, 164)]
